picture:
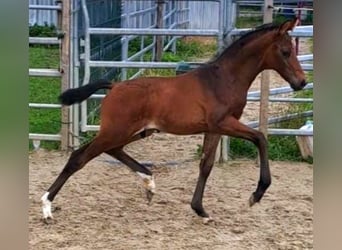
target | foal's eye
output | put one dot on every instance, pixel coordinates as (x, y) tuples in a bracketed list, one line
[(286, 53)]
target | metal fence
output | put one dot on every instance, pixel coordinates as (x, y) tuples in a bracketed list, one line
[(41, 16), (194, 13), (288, 8), (57, 11), (101, 31)]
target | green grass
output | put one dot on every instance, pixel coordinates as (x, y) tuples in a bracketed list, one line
[(44, 90)]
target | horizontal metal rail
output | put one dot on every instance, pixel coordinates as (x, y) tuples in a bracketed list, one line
[(269, 131), (44, 105), (303, 58), (49, 137), (144, 31), (118, 64), (280, 99), (307, 66), (159, 65), (44, 72), (300, 31), (249, 2), (278, 131), (272, 120), (44, 40), (91, 127), (44, 7), (277, 91)]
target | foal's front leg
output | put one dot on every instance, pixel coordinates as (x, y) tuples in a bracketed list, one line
[(232, 127), (208, 157)]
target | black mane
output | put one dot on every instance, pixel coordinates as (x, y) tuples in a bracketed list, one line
[(244, 39)]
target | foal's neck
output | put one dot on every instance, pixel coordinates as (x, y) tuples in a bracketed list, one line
[(247, 63)]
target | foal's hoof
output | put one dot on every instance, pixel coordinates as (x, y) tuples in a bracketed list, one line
[(207, 220), (255, 197), (149, 196), (48, 220), (251, 200)]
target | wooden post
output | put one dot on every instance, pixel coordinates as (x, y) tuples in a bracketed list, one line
[(64, 28), (265, 77), (159, 25), (299, 16), (224, 149), (218, 152)]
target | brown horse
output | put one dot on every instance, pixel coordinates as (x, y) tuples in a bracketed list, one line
[(209, 100)]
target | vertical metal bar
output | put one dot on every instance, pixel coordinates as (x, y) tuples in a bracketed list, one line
[(74, 83), (124, 56), (265, 77), (233, 13), (86, 76), (142, 41), (221, 24), (154, 37), (142, 44), (71, 72), (125, 40)]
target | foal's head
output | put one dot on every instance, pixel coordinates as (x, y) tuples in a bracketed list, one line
[(281, 56)]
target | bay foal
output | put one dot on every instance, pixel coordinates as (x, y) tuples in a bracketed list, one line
[(209, 100)]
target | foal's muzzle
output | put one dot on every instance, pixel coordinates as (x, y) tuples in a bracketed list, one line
[(299, 86)]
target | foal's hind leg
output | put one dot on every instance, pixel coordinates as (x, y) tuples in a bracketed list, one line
[(135, 166), (209, 149), (140, 169), (76, 161)]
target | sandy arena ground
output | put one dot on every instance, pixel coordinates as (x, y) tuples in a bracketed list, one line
[(103, 206)]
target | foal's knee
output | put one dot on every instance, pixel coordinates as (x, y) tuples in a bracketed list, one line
[(259, 139)]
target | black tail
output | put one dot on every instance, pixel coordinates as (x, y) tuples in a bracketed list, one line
[(78, 95)]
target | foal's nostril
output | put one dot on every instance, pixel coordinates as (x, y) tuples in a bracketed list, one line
[(303, 83)]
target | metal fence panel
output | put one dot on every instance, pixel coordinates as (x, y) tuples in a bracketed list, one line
[(42, 17), (204, 15)]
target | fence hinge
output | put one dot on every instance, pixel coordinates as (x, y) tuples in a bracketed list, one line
[(60, 34)]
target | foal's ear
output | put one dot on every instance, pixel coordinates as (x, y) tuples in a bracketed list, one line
[(288, 25)]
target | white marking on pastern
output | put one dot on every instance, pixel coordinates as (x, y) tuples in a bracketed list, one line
[(148, 181), (46, 206)]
